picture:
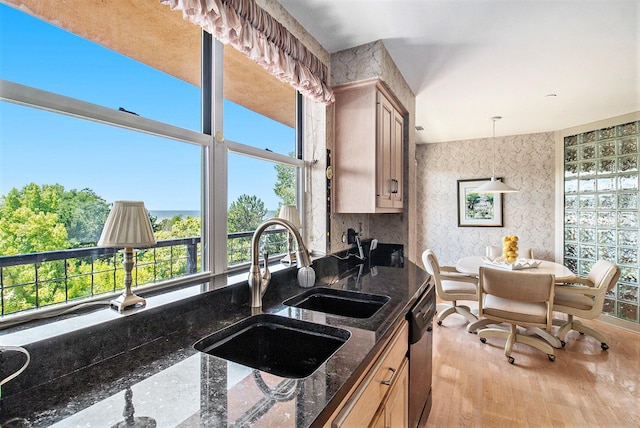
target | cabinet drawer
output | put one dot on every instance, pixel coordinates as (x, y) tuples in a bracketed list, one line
[(365, 401)]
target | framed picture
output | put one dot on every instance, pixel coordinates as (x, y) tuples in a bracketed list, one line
[(478, 209)]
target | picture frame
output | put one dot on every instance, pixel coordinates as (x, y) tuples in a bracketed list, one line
[(479, 209)]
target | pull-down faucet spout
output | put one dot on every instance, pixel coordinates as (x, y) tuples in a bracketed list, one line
[(259, 282)]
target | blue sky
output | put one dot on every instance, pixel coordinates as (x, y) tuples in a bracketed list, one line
[(46, 148)]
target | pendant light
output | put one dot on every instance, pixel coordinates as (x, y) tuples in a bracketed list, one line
[(494, 186)]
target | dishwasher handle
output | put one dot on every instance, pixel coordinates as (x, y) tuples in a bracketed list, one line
[(421, 316)]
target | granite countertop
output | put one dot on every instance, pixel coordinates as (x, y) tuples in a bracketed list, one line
[(144, 366)]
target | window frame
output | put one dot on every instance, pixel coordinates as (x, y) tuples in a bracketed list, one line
[(218, 183), (215, 150)]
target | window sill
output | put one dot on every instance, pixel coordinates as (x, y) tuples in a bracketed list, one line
[(156, 296)]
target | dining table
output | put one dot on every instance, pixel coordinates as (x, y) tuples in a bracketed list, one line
[(470, 265)]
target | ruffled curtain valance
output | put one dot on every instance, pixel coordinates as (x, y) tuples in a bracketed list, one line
[(251, 30)]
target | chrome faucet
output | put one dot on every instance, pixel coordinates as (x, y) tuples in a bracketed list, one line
[(258, 282)]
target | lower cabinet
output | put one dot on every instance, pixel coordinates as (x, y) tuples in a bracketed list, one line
[(394, 411), (381, 399)]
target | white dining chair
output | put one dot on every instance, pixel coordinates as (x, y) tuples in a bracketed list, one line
[(517, 299), (451, 286)]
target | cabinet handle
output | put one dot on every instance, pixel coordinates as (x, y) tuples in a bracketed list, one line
[(394, 185), (393, 376)]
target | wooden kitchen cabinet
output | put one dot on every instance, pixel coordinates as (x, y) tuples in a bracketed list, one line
[(394, 411), (382, 395), (368, 150)]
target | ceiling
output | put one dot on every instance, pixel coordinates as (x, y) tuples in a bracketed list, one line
[(469, 60)]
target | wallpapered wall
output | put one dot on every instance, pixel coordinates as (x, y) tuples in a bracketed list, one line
[(525, 161)]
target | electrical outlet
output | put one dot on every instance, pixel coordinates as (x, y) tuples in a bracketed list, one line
[(351, 236)]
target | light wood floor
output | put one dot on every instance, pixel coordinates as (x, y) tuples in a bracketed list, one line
[(475, 386)]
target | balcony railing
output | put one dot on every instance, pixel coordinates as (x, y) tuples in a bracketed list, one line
[(30, 281)]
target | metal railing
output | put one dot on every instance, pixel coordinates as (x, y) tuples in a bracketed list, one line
[(30, 281)]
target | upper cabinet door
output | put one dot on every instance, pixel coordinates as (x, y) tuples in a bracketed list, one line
[(397, 164), (368, 149), (385, 186)]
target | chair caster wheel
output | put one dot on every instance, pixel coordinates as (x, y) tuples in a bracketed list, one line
[(563, 343), (551, 357), (483, 340), (604, 346), (511, 360), (439, 322)]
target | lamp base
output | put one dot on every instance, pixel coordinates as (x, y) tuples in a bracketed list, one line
[(138, 421), (125, 301), (289, 259)]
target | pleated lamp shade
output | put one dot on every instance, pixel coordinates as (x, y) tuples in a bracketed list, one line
[(127, 226), (289, 212)]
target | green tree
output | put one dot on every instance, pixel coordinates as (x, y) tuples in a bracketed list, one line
[(45, 199), (285, 187), (40, 218), (81, 212), (245, 214), (25, 231)]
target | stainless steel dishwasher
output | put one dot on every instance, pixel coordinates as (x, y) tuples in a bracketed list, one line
[(420, 357)]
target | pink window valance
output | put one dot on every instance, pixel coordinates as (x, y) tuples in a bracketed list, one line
[(251, 30)]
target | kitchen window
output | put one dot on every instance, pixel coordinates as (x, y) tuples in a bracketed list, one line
[(264, 157), (87, 125), (83, 126)]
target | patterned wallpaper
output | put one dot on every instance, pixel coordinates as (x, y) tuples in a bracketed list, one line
[(525, 161), (315, 184)]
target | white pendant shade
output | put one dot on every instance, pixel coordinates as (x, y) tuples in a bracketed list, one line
[(494, 186), (127, 226)]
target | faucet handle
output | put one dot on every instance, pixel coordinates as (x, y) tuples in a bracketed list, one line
[(266, 276)]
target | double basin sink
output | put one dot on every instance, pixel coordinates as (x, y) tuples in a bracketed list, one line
[(289, 347)]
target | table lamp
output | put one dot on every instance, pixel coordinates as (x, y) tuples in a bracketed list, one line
[(290, 213), (127, 227)]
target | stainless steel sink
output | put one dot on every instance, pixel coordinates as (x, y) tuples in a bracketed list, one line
[(339, 302), (285, 347)]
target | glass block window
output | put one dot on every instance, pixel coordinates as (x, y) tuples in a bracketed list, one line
[(601, 217)]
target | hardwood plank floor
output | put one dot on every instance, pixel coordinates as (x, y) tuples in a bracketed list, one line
[(475, 386)]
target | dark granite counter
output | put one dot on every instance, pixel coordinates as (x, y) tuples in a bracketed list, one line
[(142, 365)]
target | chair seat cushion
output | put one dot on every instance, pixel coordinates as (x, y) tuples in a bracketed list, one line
[(524, 312), (573, 300), (458, 287)]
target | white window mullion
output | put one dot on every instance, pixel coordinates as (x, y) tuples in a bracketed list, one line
[(218, 175), (38, 98)]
